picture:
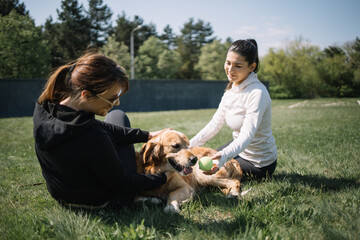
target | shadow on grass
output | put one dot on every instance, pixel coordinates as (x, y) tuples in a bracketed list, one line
[(210, 212), (175, 224), (319, 182)]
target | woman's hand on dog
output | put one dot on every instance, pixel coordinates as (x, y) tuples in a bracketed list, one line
[(153, 134)]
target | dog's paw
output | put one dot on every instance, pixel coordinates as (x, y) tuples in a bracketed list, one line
[(156, 200), (148, 199), (142, 199), (233, 192), (233, 195), (172, 209)]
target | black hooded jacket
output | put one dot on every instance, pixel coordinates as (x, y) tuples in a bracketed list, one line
[(78, 157)]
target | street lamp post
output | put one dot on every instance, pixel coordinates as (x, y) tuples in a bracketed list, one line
[(132, 50)]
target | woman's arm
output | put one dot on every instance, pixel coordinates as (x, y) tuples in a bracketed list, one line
[(107, 166), (125, 135)]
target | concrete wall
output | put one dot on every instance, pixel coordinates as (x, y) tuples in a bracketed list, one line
[(18, 96)]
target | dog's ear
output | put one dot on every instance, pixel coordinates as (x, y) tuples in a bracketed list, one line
[(145, 151), (151, 153), (157, 153)]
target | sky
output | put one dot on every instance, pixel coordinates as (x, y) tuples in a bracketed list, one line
[(271, 23)]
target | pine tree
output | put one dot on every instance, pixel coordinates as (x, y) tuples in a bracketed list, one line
[(71, 35), (168, 36), (99, 16), (194, 36), (7, 5), (123, 29)]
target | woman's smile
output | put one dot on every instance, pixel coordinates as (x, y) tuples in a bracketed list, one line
[(232, 76), (236, 68)]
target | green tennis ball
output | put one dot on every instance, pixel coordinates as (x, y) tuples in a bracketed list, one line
[(205, 163)]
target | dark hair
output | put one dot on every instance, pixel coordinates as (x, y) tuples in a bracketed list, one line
[(93, 72), (249, 50)]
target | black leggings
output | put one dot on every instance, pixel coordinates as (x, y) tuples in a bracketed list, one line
[(127, 153), (250, 171)]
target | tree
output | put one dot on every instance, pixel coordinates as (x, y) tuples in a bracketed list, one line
[(71, 36), (354, 54), (168, 36), (156, 60), (99, 16), (274, 70), (291, 71), (352, 50), (123, 29), (211, 61), (332, 51), (6, 6), (193, 37), (169, 64), (335, 73), (336, 76), (119, 52), (23, 52), (147, 60), (339, 70)]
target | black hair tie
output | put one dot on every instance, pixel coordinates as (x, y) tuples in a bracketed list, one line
[(68, 76), (71, 68)]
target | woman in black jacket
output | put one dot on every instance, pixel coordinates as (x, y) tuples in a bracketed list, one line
[(86, 162)]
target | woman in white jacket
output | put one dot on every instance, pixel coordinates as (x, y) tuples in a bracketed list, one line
[(246, 108)]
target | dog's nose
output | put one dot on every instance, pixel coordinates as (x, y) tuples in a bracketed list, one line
[(193, 159)]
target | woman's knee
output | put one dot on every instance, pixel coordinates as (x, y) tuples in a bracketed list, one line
[(118, 117), (252, 172)]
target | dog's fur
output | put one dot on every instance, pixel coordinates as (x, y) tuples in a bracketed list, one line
[(169, 151)]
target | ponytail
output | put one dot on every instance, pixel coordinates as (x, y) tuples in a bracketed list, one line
[(256, 55), (57, 86)]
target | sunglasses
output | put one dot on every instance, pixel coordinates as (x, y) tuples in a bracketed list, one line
[(109, 102)]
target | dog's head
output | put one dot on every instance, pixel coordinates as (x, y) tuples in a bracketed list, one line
[(166, 151)]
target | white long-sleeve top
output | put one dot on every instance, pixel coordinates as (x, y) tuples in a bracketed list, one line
[(246, 109)]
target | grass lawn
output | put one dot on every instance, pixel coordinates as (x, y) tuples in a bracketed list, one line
[(314, 193)]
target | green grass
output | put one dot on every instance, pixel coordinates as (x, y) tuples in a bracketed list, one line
[(314, 193)]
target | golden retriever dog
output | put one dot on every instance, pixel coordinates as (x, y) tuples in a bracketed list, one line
[(168, 151)]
